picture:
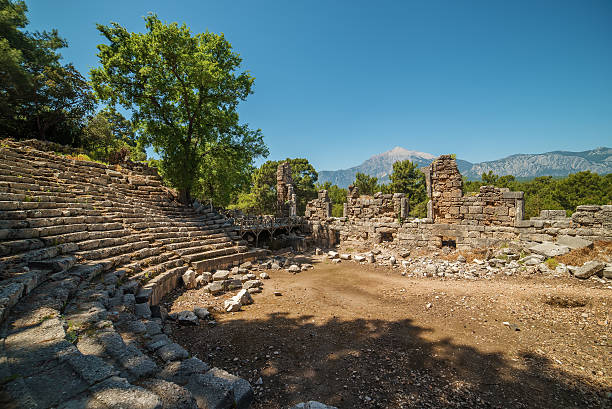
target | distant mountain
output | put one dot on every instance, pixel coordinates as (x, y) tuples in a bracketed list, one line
[(381, 166), (558, 163)]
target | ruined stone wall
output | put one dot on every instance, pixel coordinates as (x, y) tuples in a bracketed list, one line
[(489, 218), (490, 207), (319, 208), (382, 208), (588, 222), (285, 195)]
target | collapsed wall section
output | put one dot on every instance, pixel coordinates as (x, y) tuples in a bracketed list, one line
[(285, 195), (491, 206), (490, 217)]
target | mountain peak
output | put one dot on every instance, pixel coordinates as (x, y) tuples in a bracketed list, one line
[(399, 152), (557, 163)]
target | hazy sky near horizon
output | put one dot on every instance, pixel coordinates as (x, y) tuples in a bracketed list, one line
[(339, 81)]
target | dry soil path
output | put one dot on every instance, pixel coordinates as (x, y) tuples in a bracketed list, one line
[(360, 336)]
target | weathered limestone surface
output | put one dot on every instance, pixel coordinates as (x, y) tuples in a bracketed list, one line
[(491, 217), (86, 253), (286, 199)]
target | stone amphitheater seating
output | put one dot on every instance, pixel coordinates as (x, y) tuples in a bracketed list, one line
[(86, 250)]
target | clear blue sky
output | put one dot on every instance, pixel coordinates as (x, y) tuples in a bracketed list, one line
[(339, 81)]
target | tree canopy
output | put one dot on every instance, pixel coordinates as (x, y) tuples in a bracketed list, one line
[(407, 178), (367, 185), (39, 96), (183, 90), (262, 197)]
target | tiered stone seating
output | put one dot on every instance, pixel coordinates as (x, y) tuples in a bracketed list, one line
[(85, 250)]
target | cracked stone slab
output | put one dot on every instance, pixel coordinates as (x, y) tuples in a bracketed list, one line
[(91, 368), (220, 390), (172, 352), (34, 349), (47, 388), (172, 395), (118, 393), (180, 371)]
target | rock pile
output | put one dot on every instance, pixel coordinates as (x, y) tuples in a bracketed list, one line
[(537, 259)]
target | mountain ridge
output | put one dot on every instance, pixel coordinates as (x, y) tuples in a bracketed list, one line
[(522, 165)]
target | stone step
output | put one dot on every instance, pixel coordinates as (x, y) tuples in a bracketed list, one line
[(108, 242), (16, 260), (41, 214), (228, 260), (174, 237), (105, 252), (29, 205), (150, 272), (84, 237), (187, 244), (160, 285), (151, 256), (200, 249), (191, 258)]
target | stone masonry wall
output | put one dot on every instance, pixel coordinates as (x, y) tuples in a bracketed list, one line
[(319, 208), (489, 218), (285, 195), (490, 207)]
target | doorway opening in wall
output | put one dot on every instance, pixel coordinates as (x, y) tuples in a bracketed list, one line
[(336, 234), (386, 237), (449, 242)]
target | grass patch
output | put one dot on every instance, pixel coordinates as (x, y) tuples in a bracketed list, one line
[(552, 263), (601, 250)]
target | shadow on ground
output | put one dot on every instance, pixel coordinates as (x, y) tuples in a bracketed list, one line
[(380, 364)]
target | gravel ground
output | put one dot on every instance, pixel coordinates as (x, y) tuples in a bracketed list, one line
[(363, 336)]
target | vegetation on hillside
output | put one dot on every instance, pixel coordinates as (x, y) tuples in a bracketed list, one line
[(546, 192)]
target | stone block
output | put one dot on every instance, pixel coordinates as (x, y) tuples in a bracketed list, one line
[(574, 242)]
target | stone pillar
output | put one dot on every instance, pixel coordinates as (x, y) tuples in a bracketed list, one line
[(285, 196), (405, 208), (345, 210)]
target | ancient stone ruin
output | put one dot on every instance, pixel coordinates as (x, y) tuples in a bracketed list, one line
[(490, 207), (286, 200), (88, 251), (489, 218)]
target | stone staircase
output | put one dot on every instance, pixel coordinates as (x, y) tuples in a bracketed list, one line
[(86, 250)]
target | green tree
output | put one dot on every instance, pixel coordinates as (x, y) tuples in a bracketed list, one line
[(109, 137), (263, 186), (224, 176), (407, 178), (367, 185), (39, 97), (183, 90)]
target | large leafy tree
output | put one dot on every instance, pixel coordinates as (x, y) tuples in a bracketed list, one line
[(407, 178), (39, 97), (183, 90), (110, 137), (367, 185), (262, 197)]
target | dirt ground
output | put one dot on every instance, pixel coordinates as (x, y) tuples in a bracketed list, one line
[(361, 336)]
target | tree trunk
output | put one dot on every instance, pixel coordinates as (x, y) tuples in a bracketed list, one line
[(184, 196)]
